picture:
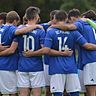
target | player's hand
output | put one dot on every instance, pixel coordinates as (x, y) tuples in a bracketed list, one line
[(67, 53), (3, 47), (27, 53)]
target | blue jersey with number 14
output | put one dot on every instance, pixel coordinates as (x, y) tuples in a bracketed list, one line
[(60, 40)]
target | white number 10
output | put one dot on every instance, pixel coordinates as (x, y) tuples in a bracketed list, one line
[(27, 42)]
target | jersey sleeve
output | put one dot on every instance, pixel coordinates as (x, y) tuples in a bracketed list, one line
[(79, 39), (42, 36), (16, 39), (79, 25), (12, 30), (48, 39), (92, 23)]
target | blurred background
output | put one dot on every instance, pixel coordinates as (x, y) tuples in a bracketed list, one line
[(46, 6)]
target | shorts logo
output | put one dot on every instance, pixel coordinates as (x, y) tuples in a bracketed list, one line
[(92, 79), (53, 87)]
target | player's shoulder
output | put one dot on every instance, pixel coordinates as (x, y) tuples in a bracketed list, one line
[(11, 28), (50, 29), (74, 32), (4, 28), (38, 31)]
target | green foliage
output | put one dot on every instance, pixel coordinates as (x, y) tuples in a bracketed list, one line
[(82, 5), (46, 6)]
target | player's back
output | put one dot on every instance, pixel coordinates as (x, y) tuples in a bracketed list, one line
[(6, 38), (60, 40), (86, 56), (30, 41)]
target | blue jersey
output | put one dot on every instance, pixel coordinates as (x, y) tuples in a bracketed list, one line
[(86, 56), (60, 40), (6, 38), (45, 26), (46, 57), (30, 41)]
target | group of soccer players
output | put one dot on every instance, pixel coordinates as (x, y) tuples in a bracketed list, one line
[(34, 55)]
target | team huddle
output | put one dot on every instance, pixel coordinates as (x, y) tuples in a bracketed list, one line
[(35, 56)]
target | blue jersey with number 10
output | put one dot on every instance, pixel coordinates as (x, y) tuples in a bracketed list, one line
[(60, 40), (30, 41)]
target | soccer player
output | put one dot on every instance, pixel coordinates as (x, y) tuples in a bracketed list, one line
[(58, 40), (47, 57), (73, 16), (8, 66), (30, 70), (87, 59)]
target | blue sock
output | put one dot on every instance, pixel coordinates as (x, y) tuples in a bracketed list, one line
[(74, 94), (57, 94)]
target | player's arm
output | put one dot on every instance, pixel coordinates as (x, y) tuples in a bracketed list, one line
[(9, 50), (65, 26), (27, 29), (46, 50), (89, 46), (83, 42)]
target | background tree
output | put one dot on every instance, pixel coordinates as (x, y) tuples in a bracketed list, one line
[(46, 6)]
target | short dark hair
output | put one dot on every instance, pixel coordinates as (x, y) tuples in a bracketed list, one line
[(52, 13), (74, 13), (11, 16), (3, 16), (61, 15), (90, 14), (31, 12)]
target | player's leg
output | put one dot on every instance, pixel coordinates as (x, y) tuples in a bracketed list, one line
[(47, 91), (73, 84), (1, 94), (37, 82), (57, 84), (91, 90), (47, 80), (36, 91), (23, 83), (90, 78), (13, 94), (81, 79), (65, 93), (9, 85)]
